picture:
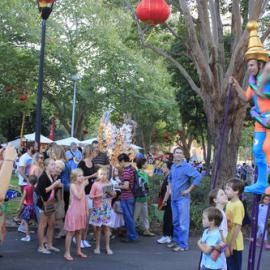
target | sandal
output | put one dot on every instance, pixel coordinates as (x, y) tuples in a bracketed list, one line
[(68, 258), (82, 255), (97, 252)]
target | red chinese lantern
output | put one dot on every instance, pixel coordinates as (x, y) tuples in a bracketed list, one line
[(153, 12)]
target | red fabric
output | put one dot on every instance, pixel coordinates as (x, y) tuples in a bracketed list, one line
[(29, 195), (52, 132), (153, 11)]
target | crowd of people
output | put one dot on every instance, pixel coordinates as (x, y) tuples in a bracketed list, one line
[(68, 192)]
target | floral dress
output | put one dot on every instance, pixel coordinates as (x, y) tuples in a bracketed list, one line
[(101, 214)]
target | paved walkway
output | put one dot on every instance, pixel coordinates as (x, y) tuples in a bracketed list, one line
[(144, 255)]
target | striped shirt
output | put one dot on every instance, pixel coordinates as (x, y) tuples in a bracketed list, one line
[(127, 175)]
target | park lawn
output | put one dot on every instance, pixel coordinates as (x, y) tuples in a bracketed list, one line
[(13, 205)]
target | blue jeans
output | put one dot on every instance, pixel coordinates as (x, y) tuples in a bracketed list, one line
[(128, 213), (180, 213)]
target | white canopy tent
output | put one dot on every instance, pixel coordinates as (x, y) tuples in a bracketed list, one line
[(30, 138), (68, 141), (89, 141)]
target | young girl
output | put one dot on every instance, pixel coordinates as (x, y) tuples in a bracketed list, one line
[(101, 214), (263, 208), (212, 218), (219, 199), (117, 219), (75, 221), (27, 205)]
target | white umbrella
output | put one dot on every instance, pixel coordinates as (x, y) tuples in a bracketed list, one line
[(15, 143), (89, 141), (68, 141), (31, 138)]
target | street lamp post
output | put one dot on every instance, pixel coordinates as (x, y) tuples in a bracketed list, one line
[(74, 78), (45, 8)]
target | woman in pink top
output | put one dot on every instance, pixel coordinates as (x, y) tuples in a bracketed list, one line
[(37, 165), (75, 221), (102, 194)]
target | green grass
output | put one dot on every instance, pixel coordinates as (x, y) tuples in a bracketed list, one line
[(13, 205)]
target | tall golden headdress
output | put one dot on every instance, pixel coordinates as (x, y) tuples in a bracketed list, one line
[(256, 49)]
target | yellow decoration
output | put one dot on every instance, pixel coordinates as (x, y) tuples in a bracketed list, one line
[(256, 49), (42, 4)]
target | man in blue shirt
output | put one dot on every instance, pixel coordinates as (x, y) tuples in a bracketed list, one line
[(74, 156), (183, 178)]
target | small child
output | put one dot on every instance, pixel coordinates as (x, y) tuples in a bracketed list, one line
[(263, 208), (102, 193), (117, 219), (75, 221), (27, 205), (211, 239), (235, 213), (219, 199)]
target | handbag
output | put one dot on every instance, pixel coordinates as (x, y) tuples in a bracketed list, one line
[(49, 207), (60, 207)]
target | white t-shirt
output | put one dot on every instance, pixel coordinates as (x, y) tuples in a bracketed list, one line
[(224, 228), (25, 161)]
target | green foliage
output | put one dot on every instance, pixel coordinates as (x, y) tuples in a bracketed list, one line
[(93, 39)]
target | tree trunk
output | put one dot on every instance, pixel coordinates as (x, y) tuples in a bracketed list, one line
[(232, 135)]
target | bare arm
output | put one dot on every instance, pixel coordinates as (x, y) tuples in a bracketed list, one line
[(78, 193), (52, 186), (124, 186), (203, 247), (22, 173), (167, 194), (240, 91), (90, 176), (236, 231)]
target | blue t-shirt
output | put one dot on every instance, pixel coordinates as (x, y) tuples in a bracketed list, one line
[(211, 239), (73, 155), (181, 177)]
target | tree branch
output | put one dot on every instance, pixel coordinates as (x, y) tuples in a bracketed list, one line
[(172, 31), (236, 22), (178, 65), (201, 61), (266, 34)]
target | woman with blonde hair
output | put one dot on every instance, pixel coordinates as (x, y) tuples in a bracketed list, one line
[(37, 165), (57, 152), (88, 168), (46, 192)]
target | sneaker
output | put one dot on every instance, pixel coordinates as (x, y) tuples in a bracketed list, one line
[(44, 251), (82, 244), (148, 233), (21, 228), (27, 238), (172, 245), (74, 240), (86, 244), (162, 240), (54, 249)]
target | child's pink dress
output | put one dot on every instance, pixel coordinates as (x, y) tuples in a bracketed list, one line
[(76, 214)]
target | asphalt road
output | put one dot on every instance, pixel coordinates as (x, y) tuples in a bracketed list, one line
[(144, 255)]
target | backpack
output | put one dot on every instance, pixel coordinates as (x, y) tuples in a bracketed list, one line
[(140, 187)]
